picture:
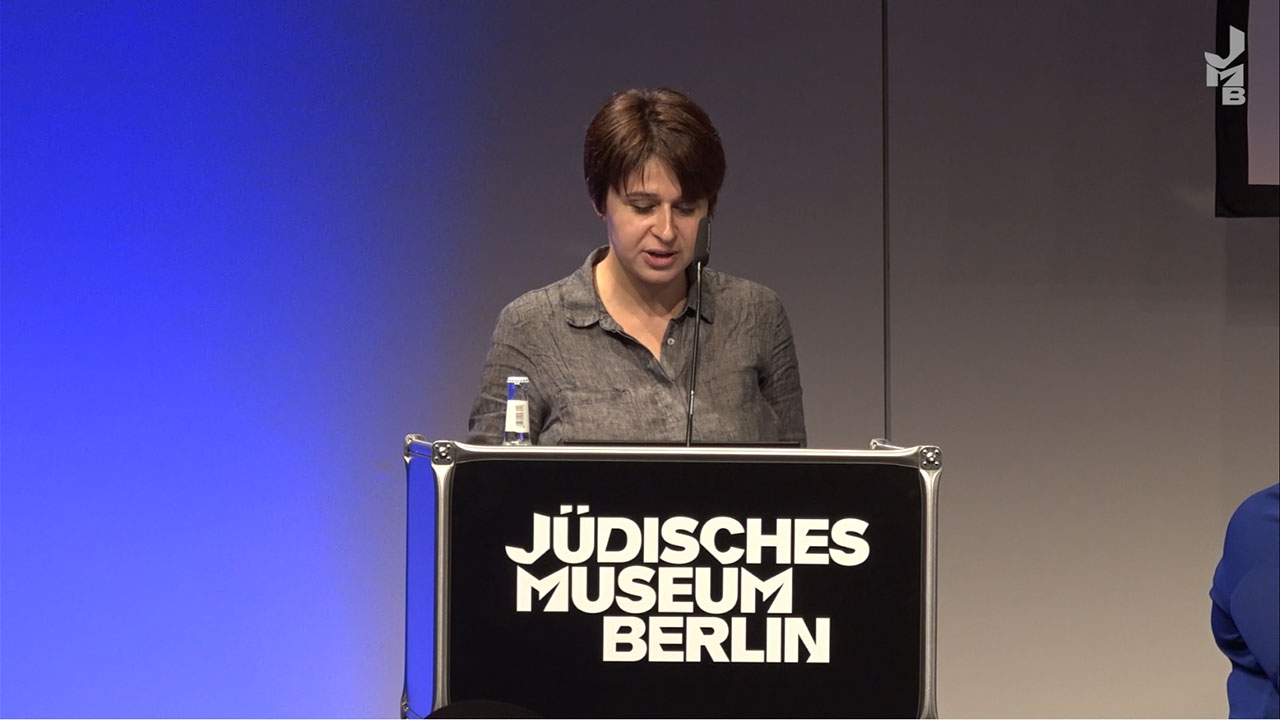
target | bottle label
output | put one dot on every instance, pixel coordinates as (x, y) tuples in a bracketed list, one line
[(518, 416)]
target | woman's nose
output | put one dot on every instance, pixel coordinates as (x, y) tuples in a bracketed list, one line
[(664, 226)]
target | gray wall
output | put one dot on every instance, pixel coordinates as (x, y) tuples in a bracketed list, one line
[(795, 93), (1094, 351)]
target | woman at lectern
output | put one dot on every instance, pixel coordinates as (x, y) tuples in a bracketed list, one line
[(609, 349)]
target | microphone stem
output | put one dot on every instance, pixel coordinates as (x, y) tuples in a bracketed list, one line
[(693, 374)]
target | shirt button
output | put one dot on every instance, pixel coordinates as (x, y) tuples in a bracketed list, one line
[(671, 341)]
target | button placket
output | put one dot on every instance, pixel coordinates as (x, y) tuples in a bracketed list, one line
[(669, 341)]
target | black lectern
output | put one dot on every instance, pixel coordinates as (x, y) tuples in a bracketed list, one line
[(669, 581)]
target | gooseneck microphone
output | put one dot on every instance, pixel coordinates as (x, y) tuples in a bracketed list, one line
[(701, 256)]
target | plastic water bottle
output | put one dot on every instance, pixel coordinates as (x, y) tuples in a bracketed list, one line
[(517, 427)]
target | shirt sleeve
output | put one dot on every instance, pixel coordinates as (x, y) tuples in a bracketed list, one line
[(1243, 615), (780, 382), (510, 354)]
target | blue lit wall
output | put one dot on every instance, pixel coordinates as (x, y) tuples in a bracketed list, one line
[(222, 250), (248, 246)]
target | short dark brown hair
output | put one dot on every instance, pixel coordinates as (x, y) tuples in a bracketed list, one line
[(638, 125)]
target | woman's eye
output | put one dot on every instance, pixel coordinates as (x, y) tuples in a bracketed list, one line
[(642, 209), (686, 210)]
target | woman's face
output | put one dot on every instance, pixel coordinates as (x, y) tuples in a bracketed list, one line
[(652, 228)]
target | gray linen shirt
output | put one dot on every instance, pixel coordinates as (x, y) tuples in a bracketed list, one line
[(591, 381)]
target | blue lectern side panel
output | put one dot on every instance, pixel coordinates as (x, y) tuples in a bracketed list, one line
[(420, 584)]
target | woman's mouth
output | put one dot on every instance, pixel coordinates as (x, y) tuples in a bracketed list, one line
[(659, 259)]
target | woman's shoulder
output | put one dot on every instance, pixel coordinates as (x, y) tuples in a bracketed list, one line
[(542, 304), (739, 291), (571, 298)]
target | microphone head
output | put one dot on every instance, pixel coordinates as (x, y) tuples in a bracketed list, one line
[(702, 246)]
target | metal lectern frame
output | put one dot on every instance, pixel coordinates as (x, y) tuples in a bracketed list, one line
[(444, 456)]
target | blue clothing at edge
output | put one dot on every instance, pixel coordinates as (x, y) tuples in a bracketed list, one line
[(1246, 605)]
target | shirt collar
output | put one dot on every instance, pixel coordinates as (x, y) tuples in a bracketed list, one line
[(583, 307)]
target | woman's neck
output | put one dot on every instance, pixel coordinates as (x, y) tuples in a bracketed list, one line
[(622, 293)]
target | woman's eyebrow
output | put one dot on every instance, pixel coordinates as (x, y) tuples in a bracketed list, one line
[(645, 195)]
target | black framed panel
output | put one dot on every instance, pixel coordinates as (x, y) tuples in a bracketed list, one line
[(1236, 196), (611, 582)]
